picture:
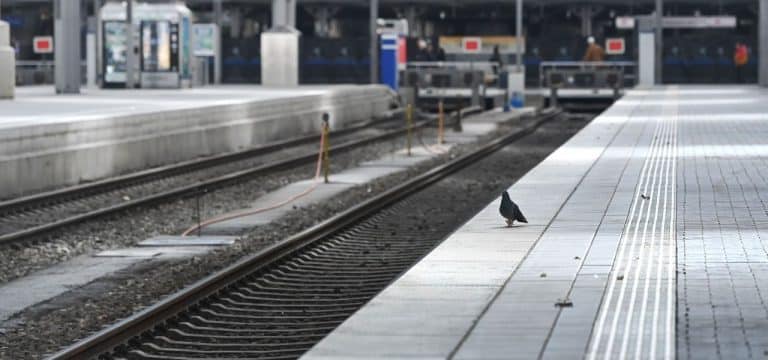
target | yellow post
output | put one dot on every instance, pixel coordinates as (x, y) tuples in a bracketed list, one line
[(440, 123), (326, 150), (409, 120)]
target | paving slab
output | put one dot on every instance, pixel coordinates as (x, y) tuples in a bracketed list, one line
[(156, 252), (22, 293), (191, 240)]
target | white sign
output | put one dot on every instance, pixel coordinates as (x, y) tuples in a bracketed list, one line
[(205, 37), (615, 46), (699, 22), (625, 22), (42, 44), (472, 44)]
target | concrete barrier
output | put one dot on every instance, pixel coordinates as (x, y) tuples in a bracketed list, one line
[(7, 63), (39, 157)]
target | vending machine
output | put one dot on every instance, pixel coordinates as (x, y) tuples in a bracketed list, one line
[(162, 33)]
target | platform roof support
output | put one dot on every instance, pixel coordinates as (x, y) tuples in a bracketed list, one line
[(218, 14), (284, 13), (763, 43), (67, 47), (519, 34), (659, 37), (374, 63), (130, 53)]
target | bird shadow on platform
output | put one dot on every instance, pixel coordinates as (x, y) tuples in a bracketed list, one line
[(507, 227)]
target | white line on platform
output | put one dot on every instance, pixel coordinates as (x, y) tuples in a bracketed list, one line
[(639, 251), (622, 250)]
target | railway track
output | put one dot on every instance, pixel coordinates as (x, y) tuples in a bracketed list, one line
[(278, 303), (28, 219)]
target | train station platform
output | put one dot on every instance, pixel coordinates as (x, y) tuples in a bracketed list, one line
[(49, 140), (647, 239)]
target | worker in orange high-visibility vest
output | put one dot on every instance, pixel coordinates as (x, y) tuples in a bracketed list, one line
[(740, 60)]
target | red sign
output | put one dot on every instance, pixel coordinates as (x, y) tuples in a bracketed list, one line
[(472, 45), (615, 46), (42, 44)]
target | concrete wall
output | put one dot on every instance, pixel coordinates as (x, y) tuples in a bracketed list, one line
[(40, 157)]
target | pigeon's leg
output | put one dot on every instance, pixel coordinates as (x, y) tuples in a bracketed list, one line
[(510, 222)]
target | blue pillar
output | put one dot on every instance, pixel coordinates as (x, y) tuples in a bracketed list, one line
[(388, 61)]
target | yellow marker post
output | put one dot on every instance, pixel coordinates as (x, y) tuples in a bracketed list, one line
[(440, 123), (326, 150), (409, 120)]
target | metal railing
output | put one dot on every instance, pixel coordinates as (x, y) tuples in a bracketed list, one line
[(628, 68), (460, 65), (38, 72)]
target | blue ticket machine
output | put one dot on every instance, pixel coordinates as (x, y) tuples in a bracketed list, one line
[(388, 60)]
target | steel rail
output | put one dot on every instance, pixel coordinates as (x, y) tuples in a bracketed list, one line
[(82, 191)]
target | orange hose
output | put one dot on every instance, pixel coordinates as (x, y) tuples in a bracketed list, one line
[(431, 148), (270, 207)]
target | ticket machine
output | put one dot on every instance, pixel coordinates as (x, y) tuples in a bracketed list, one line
[(162, 33)]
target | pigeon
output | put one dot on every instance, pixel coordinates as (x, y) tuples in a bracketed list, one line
[(510, 211)]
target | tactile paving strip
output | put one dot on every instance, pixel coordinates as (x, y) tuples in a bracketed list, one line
[(637, 313)]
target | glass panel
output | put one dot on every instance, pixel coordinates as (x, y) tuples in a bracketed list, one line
[(114, 51), (156, 46)]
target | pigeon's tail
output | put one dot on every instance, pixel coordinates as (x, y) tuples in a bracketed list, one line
[(519, 215)]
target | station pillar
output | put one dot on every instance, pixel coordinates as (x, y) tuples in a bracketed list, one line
[(66, 28), (280, 47), (647, 52), (7, 63), (218, 15), (374, 39), (762, 70), (658, 32)]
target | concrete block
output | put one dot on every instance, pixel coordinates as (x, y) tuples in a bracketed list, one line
[(7, 63), (280, 57), (48, 141)]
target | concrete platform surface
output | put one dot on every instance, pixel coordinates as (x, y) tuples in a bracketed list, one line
[(647, 239), (49, 140)]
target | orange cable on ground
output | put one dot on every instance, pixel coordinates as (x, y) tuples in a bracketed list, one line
[(311, 188)]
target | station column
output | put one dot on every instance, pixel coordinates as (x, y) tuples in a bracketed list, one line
[(66, 29), (762, 43), (7, 63), (218, 14), (280, 47), (659, 41), (374, 17)]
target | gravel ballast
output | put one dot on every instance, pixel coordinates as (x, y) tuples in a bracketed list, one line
[(45, 329), (129, 227)]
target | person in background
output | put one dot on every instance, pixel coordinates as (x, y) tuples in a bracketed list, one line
[(440, 56), (595, 53), (496, 60), (740, 60), (422, 53), (431, 53)]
